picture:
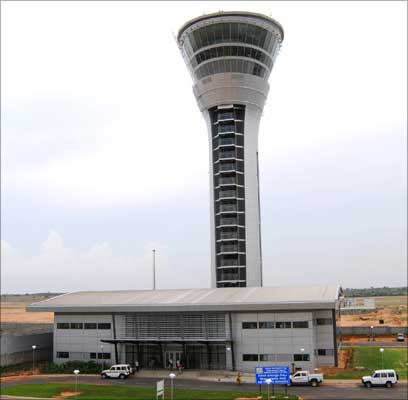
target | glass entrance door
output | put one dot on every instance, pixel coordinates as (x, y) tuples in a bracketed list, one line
[(171, 359)]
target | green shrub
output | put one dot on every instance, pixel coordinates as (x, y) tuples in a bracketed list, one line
[(85, 367)]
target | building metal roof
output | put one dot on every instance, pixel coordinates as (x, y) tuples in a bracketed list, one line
[(219, 299)]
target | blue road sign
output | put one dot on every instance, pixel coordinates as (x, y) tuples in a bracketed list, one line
[(278, 375)]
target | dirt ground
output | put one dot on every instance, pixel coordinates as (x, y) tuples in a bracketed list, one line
[(393, 316), (15, 312)]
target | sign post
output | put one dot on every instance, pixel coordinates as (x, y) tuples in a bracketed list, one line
[(160, 389), (275, 375)]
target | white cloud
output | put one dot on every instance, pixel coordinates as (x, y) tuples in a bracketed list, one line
[(95, 268)]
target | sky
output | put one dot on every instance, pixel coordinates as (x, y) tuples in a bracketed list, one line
[(105, 154)]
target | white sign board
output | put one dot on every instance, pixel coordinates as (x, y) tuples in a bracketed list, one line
[(160, 389)]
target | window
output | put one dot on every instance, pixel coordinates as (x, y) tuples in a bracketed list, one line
[(324, 321), (77, 325), (104, 356), (250, 357), (90, 325), (63, 325), (376, 375), (301, 357), (300, 324), (104, 325), (283, 325), (249, 325), (92, 356), (325, 352), (267, 357), (62, 354), (266, 325), (390, 375)]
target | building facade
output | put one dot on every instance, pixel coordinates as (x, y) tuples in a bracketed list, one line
[(230, 56), (220, 329)]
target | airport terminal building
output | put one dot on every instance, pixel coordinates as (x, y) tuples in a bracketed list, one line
[(232, 329)]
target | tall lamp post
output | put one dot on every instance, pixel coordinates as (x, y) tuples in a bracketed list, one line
[(382, 358), (103, 360), (33, 347), (76, 372), (268, 382), (171, 376), (372, 333)]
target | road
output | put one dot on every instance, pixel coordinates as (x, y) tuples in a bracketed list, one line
[(330, 390)]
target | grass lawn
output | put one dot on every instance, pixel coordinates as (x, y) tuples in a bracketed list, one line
[(370, 359), (102, 392)]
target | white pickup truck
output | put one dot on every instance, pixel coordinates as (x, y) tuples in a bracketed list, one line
[(306, 378)]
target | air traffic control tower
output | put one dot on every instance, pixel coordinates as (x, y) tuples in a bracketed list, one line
[(230, 56)]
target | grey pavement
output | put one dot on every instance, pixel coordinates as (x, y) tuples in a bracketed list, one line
[(330, 390)]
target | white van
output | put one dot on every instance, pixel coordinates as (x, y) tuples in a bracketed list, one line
[(381, 377), (120, 371)]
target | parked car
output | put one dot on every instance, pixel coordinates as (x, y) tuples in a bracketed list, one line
[(120, 371), (382, 377), (400, 337), (306, 378)]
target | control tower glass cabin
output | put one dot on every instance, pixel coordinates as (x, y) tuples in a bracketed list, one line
[(230, 56)]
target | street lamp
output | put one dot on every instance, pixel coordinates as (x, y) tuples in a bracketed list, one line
[(372, 333), (382, 358), (103, 360), (268, 382), (171, 376), (33, 347), (76, 372)]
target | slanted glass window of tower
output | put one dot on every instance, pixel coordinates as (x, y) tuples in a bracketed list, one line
[(230, 65), (231, 51), (232, 32)]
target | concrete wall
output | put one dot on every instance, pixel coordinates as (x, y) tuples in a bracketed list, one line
[(282, 343), (79, 343), (17, 349)]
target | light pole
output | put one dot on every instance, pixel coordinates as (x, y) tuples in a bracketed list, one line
[(103, 360), (76, 372), (33, 347), (154, 269), (372, 333), (268, 382), (171, 376), (382, 358)]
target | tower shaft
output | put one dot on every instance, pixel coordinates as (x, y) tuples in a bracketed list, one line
[(230, 56)]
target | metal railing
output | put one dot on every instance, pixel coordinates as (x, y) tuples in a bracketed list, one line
[(228, 248), (229, 277), (227, 180), (228, 221), (225, 116), (228, 207), (226, 141), (227, 193), (227, 167), (229, 263), (226, 128), (233, 235)]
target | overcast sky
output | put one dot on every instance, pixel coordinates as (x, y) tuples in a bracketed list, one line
[(105, 153)]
